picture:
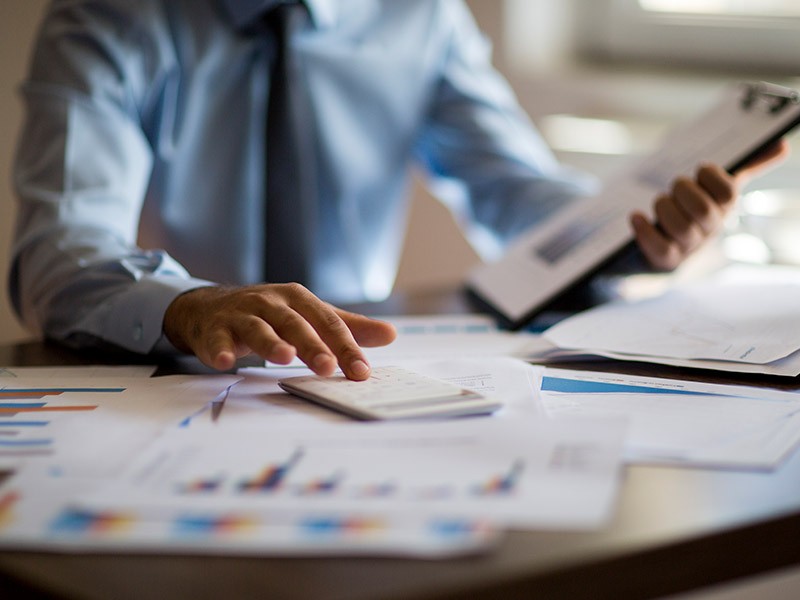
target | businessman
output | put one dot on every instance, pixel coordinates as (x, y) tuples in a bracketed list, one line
[(197, 175)]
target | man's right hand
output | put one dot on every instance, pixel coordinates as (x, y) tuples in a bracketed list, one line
[(275, 321)]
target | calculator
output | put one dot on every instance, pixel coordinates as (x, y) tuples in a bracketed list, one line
[(391, 393)]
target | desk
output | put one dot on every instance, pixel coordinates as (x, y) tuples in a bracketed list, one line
[(673, 530)]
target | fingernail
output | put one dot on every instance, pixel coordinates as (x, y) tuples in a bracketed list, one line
[(359, 368)]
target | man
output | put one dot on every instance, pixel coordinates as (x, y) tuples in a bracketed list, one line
[(243, 142)]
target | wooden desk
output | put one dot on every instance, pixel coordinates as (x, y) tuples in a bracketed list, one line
[(673, 530)]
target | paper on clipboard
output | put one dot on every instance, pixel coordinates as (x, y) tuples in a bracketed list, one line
[(582, 237)]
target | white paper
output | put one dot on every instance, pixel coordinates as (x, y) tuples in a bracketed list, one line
[(785, 367), (682, 422), (521, 473), (754, 324), (40, 512), (79, 427), (449, 337)]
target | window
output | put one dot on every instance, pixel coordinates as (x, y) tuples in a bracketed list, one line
[(777, 8), (746, 35)]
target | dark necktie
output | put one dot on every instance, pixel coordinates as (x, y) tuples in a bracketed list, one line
[(289, 181)]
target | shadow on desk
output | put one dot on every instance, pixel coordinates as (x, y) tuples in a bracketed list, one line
[(46, 353)]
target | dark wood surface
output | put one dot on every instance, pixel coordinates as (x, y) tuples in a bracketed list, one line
[(672, 530)]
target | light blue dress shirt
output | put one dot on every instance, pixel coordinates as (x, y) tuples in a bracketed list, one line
[(140, 171)]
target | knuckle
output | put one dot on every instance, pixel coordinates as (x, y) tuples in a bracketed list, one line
[(288, 320), (270, 303), (333, 322), (251, 295), (250, 322), (295, 290), (340, 338)]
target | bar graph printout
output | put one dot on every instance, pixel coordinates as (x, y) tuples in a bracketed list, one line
[(26, 426), (92, 425), (527, 474), (81, 434), (38, 511), (680, 422)]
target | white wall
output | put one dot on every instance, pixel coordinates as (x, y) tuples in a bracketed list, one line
[(18, 19)]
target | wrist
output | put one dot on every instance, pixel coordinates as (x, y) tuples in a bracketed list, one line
[(182, 317)]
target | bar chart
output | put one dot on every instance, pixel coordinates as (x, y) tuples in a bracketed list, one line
[(27, 416)]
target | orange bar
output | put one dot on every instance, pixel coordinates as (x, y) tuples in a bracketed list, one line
[(30, 394), (8, 500)]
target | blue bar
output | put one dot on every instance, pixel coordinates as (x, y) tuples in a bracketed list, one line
[(579, 386), (25, 443)]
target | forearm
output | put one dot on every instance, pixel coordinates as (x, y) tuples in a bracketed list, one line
[(477, 135), (87, 298)]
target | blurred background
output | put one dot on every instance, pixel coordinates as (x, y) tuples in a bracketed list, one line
[(602, 79)]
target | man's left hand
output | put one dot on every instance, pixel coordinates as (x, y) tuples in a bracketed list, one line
[(695, 209)]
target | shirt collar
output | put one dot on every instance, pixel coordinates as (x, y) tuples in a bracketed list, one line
[(245, 12)]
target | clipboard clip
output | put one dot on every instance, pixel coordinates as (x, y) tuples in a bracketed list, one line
[(777, 97)]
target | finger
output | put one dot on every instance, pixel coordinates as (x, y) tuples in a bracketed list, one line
[(262, 339), (295, 328), (768, 158), (719, 184), (661, 252), (677, 225), (332, 330), (703, 203), (217, 350), (367, 332), (337, 335)]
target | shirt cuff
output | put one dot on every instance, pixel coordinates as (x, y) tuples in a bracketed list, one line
[(136, 319)]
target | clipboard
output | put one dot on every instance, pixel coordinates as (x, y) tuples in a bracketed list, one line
[(586, 235)]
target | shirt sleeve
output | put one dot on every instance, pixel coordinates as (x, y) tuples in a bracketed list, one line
[(479, 140), (81, 174)]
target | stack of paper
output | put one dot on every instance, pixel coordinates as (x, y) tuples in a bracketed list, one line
[(730, 327), (109, 460), (235, 465)]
